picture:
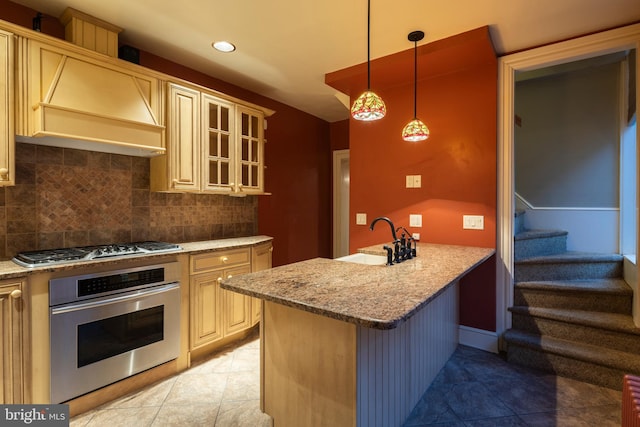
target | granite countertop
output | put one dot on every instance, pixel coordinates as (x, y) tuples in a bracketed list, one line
[(374, 296), (11, 270)]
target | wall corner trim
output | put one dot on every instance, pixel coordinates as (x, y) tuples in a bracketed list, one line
[(478, 338)]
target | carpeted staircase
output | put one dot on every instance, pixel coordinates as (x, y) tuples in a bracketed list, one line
[(572, 310)]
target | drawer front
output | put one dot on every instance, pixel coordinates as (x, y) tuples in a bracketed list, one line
[(216, 260)]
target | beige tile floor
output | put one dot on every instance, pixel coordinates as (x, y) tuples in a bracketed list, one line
[(474, 389), (223, 390)]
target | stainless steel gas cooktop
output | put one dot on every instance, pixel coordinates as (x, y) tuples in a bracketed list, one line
[(48, 257)]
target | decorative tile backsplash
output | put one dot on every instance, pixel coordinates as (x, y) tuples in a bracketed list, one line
[(65, 197)]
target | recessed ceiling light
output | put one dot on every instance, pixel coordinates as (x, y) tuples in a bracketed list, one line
[(223, 46)]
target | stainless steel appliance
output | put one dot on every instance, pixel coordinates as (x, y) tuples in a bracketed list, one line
[(107, 326), (47, 257)]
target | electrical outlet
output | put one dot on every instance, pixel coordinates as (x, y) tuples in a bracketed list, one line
[(415, 220), (473, 222), (416, 236), (361, 219)]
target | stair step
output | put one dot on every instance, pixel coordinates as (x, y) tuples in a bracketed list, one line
[(518, 225), (611, 330), (531, 243), (607, 295), (589, 363), (568, 266), (539, 234)]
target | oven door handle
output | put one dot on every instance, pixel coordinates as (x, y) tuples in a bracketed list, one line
[(105, 301)]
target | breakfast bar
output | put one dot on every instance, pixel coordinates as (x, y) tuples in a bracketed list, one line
[(346, 344)]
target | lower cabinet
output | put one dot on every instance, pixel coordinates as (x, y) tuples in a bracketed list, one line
[(216, 313), (206, 323), (261, 259), (12, 318), (236, 307)]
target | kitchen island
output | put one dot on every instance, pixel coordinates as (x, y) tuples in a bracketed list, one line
[(347, 344)]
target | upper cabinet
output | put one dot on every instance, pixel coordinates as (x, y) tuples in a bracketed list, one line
[(7, 172), (214, 145), (75, 94), (218, 145), (250, 176)]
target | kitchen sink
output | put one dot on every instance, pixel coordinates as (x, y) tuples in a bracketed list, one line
[(360, 258)]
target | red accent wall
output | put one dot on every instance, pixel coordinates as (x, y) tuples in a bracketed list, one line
[(339, 132), (298, 157), (457, 99)]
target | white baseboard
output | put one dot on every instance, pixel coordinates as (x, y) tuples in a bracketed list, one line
[(478, 338)]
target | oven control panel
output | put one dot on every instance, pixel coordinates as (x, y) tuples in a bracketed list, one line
[(116, 282), (70, 289)]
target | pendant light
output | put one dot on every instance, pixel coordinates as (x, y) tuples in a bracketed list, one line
[(415, 130), (368, 106)]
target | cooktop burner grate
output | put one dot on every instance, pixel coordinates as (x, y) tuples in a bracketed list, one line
[(86, 253)]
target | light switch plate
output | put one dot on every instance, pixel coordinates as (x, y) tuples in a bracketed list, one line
[(361, 219), (409, 181), (413, 181), (415, 220), (473, 222)]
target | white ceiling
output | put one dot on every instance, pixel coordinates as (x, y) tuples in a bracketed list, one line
[(285, 47)]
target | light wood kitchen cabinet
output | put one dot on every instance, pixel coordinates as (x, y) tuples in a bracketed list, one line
[(236, 307), (217, 313), (206, 323), (183, 126), (7, 160), (214, 145), (13, 317), (250, 131), (261, 259), (219, 145)]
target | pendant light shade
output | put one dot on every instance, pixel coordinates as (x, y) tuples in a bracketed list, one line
[(368, 106), (415, 130)]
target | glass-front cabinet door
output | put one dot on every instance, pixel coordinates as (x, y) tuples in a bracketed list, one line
[(218, 144), (251, 150)]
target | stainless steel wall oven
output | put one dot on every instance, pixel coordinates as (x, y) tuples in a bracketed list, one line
[(107, 326)]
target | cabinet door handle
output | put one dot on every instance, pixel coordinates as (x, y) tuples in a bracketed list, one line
[(4, 174), (16, 293), (219, 279), (224, 259), (229, 276)]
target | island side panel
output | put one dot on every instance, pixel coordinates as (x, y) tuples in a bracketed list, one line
[(396, 366), (309, 368)]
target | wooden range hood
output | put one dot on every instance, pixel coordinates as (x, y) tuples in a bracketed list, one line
[(78, 99)]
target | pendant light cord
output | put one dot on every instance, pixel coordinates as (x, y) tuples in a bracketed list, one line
[(415, 79), (368, 44)]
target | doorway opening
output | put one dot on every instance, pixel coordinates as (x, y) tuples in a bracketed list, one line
[(570, 123), (340, 203), (608, 42)]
